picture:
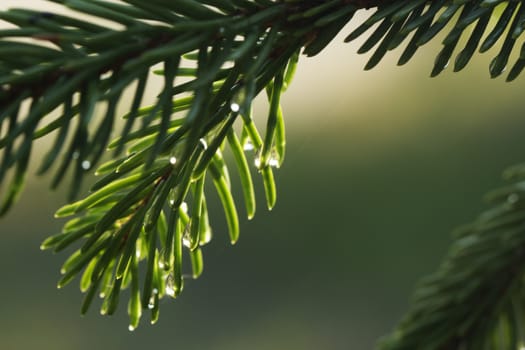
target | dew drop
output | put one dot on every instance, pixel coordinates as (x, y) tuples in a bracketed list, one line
[(151, 303), (184, 207), (76, 154), (273, 162), (186, 240), (131, 328), (172, 202), (248, 146), (205, 237), (170, 289), (257, 160), (203, 143), (235, 107), (86, 164), (173, 160)]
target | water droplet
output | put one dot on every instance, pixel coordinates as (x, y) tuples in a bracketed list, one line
[(240, 98), (173, 160), (257, 160), (131, 328), (151, 303), (86, 164), (155, 291), (203, 143), (172, 202), (137, 253), (222, 30), (184, 207), (170, 289), (76, 154), (186, 240), (248, 146), (205, 237), (273, 162), (235, 107), (161, 264)]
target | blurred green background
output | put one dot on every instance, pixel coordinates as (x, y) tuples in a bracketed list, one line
[(380, 167)]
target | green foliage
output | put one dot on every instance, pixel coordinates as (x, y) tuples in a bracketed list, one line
[(475, 300), (149, 206)]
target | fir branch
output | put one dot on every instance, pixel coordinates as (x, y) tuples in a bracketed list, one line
[(149, 206), (475, 299)]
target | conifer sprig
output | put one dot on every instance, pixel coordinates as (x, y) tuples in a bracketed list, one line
[(215, 56), (476, 299)]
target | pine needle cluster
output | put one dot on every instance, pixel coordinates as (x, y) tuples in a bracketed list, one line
[(149, 204)]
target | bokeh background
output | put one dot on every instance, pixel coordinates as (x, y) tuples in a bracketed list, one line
[(380, 167)]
